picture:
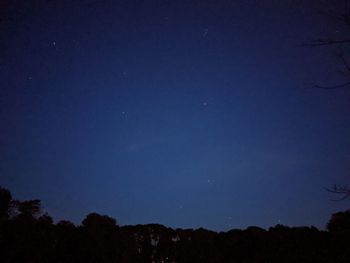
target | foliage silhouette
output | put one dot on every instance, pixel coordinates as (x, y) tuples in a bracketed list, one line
[(5, 202), (340, 223), (27, 235)]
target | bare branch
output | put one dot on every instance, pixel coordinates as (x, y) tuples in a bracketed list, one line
[(339, 190), (345, 62), (341, 14), (341, 199), (326, 42), (332, 87)]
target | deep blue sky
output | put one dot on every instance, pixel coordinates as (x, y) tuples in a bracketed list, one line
[(184, 113)]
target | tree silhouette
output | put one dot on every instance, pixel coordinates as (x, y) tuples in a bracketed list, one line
[(98, 222), (98, 239), (339, 222), (341, 44), (29, 209), (5, 203), (32, 237), (339, 13)]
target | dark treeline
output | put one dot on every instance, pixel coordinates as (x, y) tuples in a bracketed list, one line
[(28, 235)]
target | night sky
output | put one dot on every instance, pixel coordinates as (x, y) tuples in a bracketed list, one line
[(183, 113)]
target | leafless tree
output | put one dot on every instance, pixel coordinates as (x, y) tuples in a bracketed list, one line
[(338, 11)]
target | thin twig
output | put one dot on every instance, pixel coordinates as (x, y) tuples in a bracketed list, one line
[(345, 62), (339, 190), (326, 42), (332, 87)]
